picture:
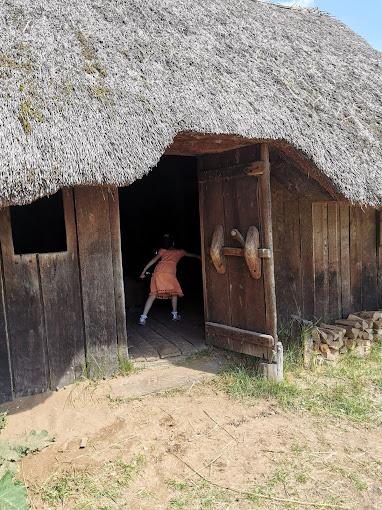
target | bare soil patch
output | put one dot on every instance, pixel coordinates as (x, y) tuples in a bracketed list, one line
[(184, 448)]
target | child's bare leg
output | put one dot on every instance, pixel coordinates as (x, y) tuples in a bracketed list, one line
[(174, 302), (149, 302)]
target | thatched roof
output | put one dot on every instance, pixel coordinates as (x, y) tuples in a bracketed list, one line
[(93, 91)]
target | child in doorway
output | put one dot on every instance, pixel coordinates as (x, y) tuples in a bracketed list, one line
[(164, 284)]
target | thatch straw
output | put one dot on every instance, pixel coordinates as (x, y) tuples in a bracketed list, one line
[(93, 91)]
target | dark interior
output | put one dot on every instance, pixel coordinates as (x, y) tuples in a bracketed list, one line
[(166, 200), (30, 224)]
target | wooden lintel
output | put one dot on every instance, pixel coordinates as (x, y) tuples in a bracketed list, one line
[(239, 335), (230, 172)]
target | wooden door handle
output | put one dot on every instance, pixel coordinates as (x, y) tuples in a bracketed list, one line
[(250, 250)]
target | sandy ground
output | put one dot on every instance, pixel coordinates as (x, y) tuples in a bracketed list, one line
[(231, 443)]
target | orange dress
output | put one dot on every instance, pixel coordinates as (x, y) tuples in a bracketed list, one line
[(164, 283)]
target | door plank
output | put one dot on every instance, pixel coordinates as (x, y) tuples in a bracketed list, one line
[(245, 293), (217, 303), (240, 335)]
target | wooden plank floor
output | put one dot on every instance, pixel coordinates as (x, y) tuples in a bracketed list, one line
[(161, 338)]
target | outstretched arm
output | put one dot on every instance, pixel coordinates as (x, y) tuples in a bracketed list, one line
[(149, 264), (193, 255)]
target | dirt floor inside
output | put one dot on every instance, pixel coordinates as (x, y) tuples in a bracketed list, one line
[(184, 447)]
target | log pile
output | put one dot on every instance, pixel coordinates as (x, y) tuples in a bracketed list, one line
[(356, 333)]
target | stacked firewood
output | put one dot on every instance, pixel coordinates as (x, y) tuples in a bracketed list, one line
[(354, 333)]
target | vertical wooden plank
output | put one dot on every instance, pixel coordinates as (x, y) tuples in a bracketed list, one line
[(202, 226), (320, 256), (379, 255), (60, 285), (356, 258), (63, 317), (119, 293), (25, 316), (217, 305), (369, 259), (74, 267), (241, 209), (278, 204), (287, 255), (6, 390), (97, 279), (345, 259), (307, 260), (334, 267)]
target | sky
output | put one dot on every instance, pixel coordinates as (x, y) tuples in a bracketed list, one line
[(363, 17)]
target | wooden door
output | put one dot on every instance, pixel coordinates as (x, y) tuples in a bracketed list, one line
[(234, 195)]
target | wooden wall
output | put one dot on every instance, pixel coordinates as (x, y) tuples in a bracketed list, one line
[(327, 257), (63, 312)]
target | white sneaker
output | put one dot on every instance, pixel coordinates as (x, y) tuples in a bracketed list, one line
[(176, 317), (142, 320)]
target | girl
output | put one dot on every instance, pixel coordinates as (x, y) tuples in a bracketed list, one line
[(164, 284)]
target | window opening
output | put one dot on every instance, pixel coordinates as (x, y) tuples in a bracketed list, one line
[(39, 227)]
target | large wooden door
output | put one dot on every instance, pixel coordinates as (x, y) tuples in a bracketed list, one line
[(239, 293)]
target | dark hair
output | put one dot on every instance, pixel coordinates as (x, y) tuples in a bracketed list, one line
[(168, 241)]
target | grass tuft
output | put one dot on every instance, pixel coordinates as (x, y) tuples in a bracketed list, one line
[(351, 389), (126, 366), (3, 421), (92, 490)]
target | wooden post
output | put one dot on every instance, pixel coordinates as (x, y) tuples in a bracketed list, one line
[(274, 371), (268, 264)]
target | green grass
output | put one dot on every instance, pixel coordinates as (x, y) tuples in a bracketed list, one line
[(99, 489), (351, 389), (126, 367), (3, 421), (198, 494)]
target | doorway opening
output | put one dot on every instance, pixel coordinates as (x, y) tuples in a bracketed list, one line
[(164, 201)]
